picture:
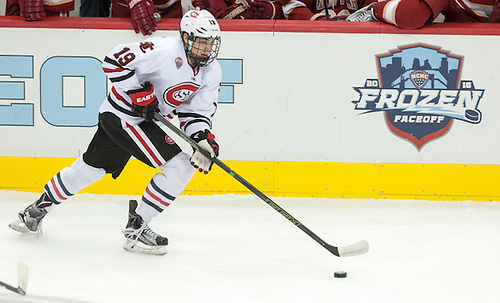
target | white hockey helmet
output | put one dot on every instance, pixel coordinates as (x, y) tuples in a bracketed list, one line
[(200, 24)]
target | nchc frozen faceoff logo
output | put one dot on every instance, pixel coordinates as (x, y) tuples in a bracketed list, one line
[(420, 92)]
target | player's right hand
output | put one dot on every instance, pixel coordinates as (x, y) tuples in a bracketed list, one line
[(31, 10), (144, 102), (142, 16)]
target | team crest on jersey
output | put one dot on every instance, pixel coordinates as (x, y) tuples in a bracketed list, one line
[(180, 93), (420, 92), (178, 62), (169, 140)]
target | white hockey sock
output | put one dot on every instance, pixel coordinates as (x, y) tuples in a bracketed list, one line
[(166, 186), (71, 180)]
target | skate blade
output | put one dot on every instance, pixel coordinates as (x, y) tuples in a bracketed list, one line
[(138, 247), (20, 227)]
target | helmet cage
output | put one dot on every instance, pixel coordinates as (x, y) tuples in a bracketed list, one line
[(202, 44)]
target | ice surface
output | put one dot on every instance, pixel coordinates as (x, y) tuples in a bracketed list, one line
[(233, 248)]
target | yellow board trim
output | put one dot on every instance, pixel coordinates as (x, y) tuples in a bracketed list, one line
[(289, 179)]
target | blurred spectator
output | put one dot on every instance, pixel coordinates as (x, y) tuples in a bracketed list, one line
[(315, 9), (237, 9), (412, 14), (94, 8), (34, 10), (142, 12)]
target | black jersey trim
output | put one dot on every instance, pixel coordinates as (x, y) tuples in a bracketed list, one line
[(121, 78), (112, 62), (196, 121), (191, 115)]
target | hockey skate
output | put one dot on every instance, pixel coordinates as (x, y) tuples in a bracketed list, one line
[(30, 219), (364, 14), (141, 238)]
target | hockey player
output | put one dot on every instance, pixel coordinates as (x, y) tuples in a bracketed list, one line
[(169, 75), (35, 10), (412, 14), (140, 12)]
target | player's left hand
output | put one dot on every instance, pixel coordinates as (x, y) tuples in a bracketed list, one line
[(31, 10), (142, 16), (205, 140)]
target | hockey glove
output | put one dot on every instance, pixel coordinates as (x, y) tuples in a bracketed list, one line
[(142, 16), (31, 10), (144, 102), (205, 140), (261, 9)]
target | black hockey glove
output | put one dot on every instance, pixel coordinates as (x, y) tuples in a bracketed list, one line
[(205, 140), (144, 102)]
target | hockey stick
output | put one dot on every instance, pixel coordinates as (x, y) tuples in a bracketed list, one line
[(343, 251), (22, 277), (325, 3)]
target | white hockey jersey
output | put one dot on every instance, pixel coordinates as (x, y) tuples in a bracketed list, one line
[(181, 90)]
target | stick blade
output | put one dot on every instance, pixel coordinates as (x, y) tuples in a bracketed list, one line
[(355, 249), (22, 277)]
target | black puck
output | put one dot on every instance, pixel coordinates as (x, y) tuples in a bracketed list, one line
[(472, 115), (340, 274)]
